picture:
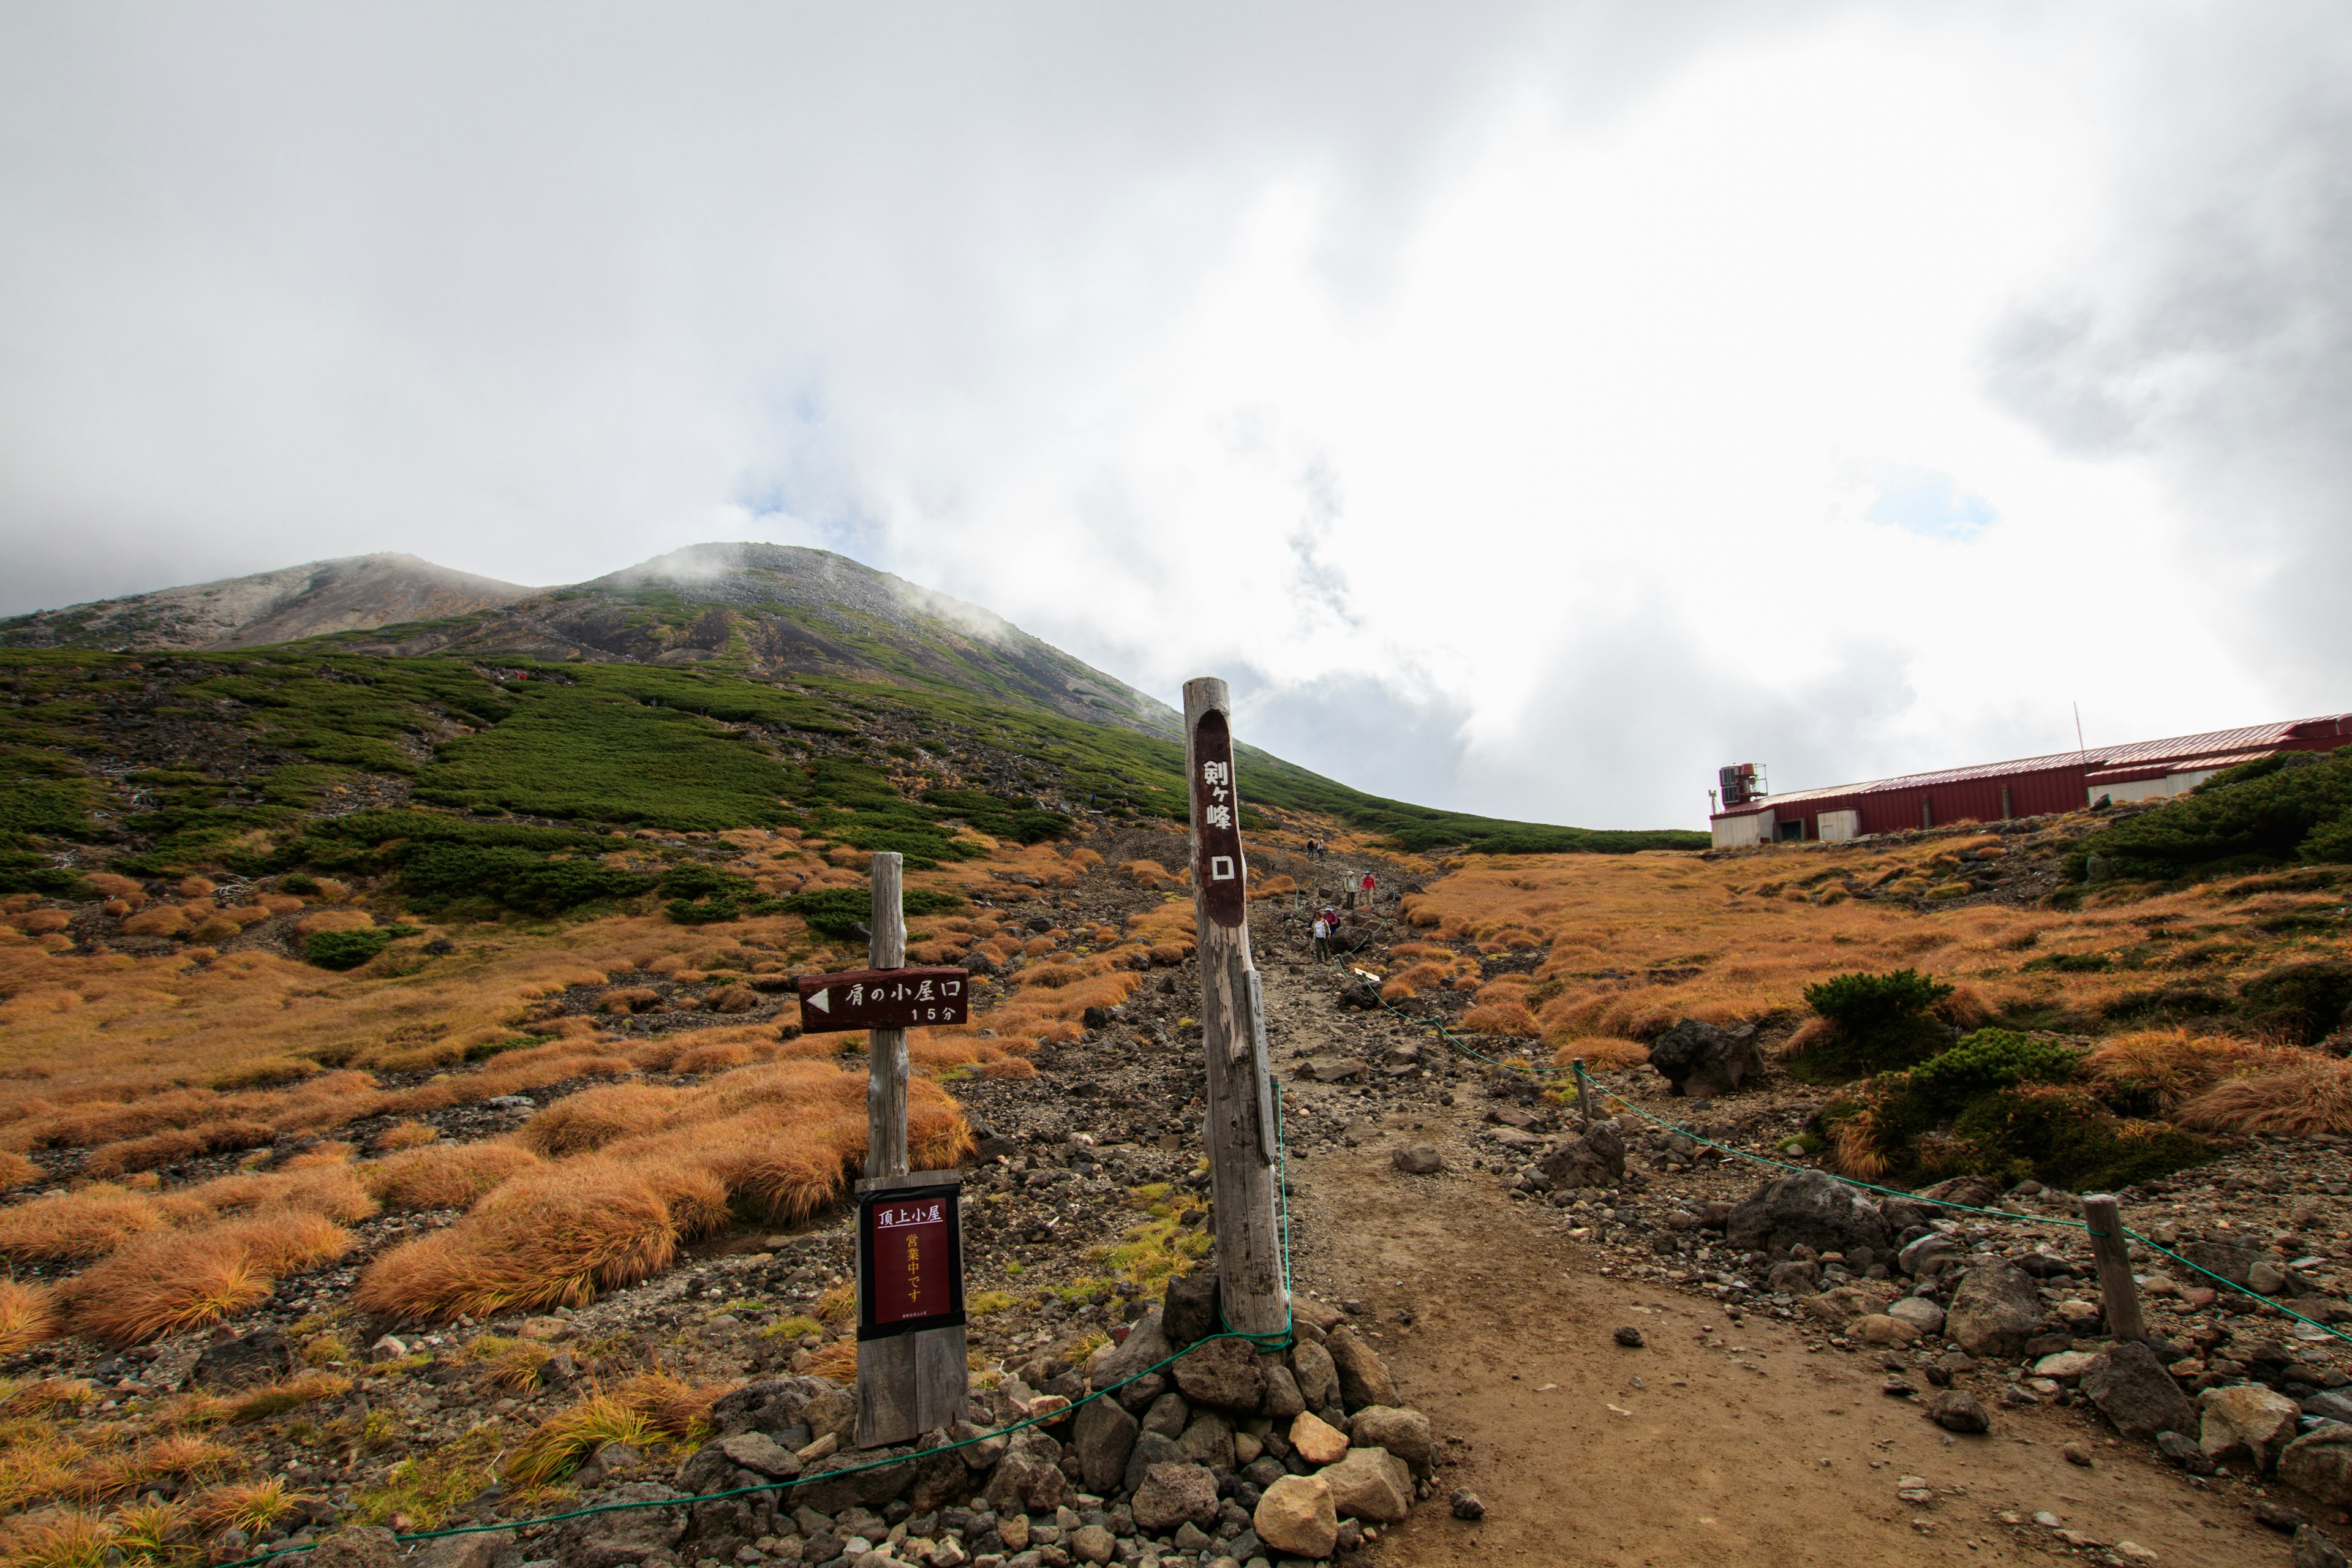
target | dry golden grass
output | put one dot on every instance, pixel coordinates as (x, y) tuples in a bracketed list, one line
[(2173, 1065), (16, 1170), (28, 1316), (836, 1359), (579, 1123), (555, 1237), (2299, 1093), (173, 1279), (68, 1227), (570, 1435), (402, 1135), (1597, 1050)]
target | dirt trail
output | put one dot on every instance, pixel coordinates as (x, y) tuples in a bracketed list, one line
[(1734, 1446)]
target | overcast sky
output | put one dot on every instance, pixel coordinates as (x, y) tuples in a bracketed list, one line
[(1528, 407)]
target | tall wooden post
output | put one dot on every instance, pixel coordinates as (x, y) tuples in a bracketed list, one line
[(2104, 1219), (886, 1050), (1241, 1123), (913, 1382), (1583, 1094)]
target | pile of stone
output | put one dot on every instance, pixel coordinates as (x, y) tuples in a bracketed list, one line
[(1226, 1455)]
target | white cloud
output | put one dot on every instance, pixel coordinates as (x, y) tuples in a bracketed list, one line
[(1528, 413)]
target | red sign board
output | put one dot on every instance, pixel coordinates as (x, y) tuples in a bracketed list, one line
[(883, 999), (910, 1260), (1218, 868)]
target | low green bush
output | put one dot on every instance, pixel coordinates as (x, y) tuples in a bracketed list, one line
[(2294, 806), (839, 912), (2303, 1002), (350, 949), (1884, 1023)]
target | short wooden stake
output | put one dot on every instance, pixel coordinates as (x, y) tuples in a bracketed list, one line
[(1239, 1132), (2104, 1218), (1583, 1094)]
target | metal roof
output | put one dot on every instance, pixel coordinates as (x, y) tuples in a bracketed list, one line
[(2230, 744)]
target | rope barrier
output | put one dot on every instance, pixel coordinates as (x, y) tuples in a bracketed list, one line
[(1278, 1340), (1586, 1080)]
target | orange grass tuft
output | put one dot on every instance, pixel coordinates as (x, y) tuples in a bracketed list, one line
[(16, 1170), (2173, 1065), (2302, 1094), (592, 1118), (551, 1237), (28, 1316), (70, 1228), (837, 1360), (401, 1135), (177, 1279), (1597, 1050)]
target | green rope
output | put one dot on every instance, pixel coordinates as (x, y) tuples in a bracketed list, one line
[(1586, 1080), (1278, 1340)]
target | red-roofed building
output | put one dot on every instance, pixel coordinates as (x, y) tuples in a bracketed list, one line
[(1994, 792)]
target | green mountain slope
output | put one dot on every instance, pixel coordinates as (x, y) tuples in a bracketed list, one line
[(696, 695)]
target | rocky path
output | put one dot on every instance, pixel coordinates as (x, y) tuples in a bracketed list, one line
[(1719, 1441)]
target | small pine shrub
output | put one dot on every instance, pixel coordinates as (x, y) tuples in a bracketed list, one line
[(350, 949), (1879, 1023), (2293, 806)]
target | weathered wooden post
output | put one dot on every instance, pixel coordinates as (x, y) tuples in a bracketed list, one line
[(886, 1050), (1241, 1122), (1583, 1094), (2102, 1216), (911, 1371)]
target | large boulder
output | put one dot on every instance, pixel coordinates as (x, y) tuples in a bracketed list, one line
[(1805, 1208), (1317, 1375), (1363, 1377), (1370, 1484), (1222, 1372), (1298, 1517), (2134, 1391), (1699, 1059), (1172, 1495), (1145, 1347), (1404, 1433), (1103, 1436), (1189, 1312), (1995, 1310), (241, 1361), (1029, 1477), (2247, 1424), (2320, 1462), (772, 1406), (1595, 1160), (1920, 1313), (626, 1536)]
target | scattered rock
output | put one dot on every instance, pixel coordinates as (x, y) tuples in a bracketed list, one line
[(1465, 1504), (2189, 1455), (1296, 1515), (2246, 1423), (241, 1361), (2067, 1367), (1806, 1208), (2132, 1390), (1404, 1433), (1418, 1160), (1370, 1484), (2314, 1550), (1224, 1374), (1363, 1377), (1630, 1337), (1172, 1495), (2075, 1454), (1956, 1411), (1317, 1441), (1879, 1329), (1994, 1311), (1189, 1313), (1701, 1059), (1317, 1374), (1103, 1436), (1595, 1160), (2320, 1462), (360, 1546), (1920, 1313)]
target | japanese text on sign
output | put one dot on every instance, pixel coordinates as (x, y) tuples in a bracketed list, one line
[(1219, 870), (883, 999), (912, 1264)]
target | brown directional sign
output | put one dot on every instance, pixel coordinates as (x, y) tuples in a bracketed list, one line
[(883, 999), (1218, 869)]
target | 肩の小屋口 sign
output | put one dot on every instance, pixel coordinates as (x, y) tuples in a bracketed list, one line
[(883, 999), (1218, 869), (910, 1260)]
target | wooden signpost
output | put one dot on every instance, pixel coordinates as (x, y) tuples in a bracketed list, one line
[(911, 1373), (1241, 1125)]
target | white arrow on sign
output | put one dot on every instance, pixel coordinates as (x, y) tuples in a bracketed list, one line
[(817, 999)]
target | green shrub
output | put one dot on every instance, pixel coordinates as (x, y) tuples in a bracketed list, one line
[(1990, 1059), (2303, 1002), (350, 949), (432, 875), (2294, 806), (300, 883), (1884, 1024), (2062, 1136), (842, 912)]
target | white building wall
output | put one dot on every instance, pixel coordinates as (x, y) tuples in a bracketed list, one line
[(1742, 832), (1837, 826)]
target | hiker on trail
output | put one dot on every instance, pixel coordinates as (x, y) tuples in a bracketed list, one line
[(1322, 939), (1368, 885)]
